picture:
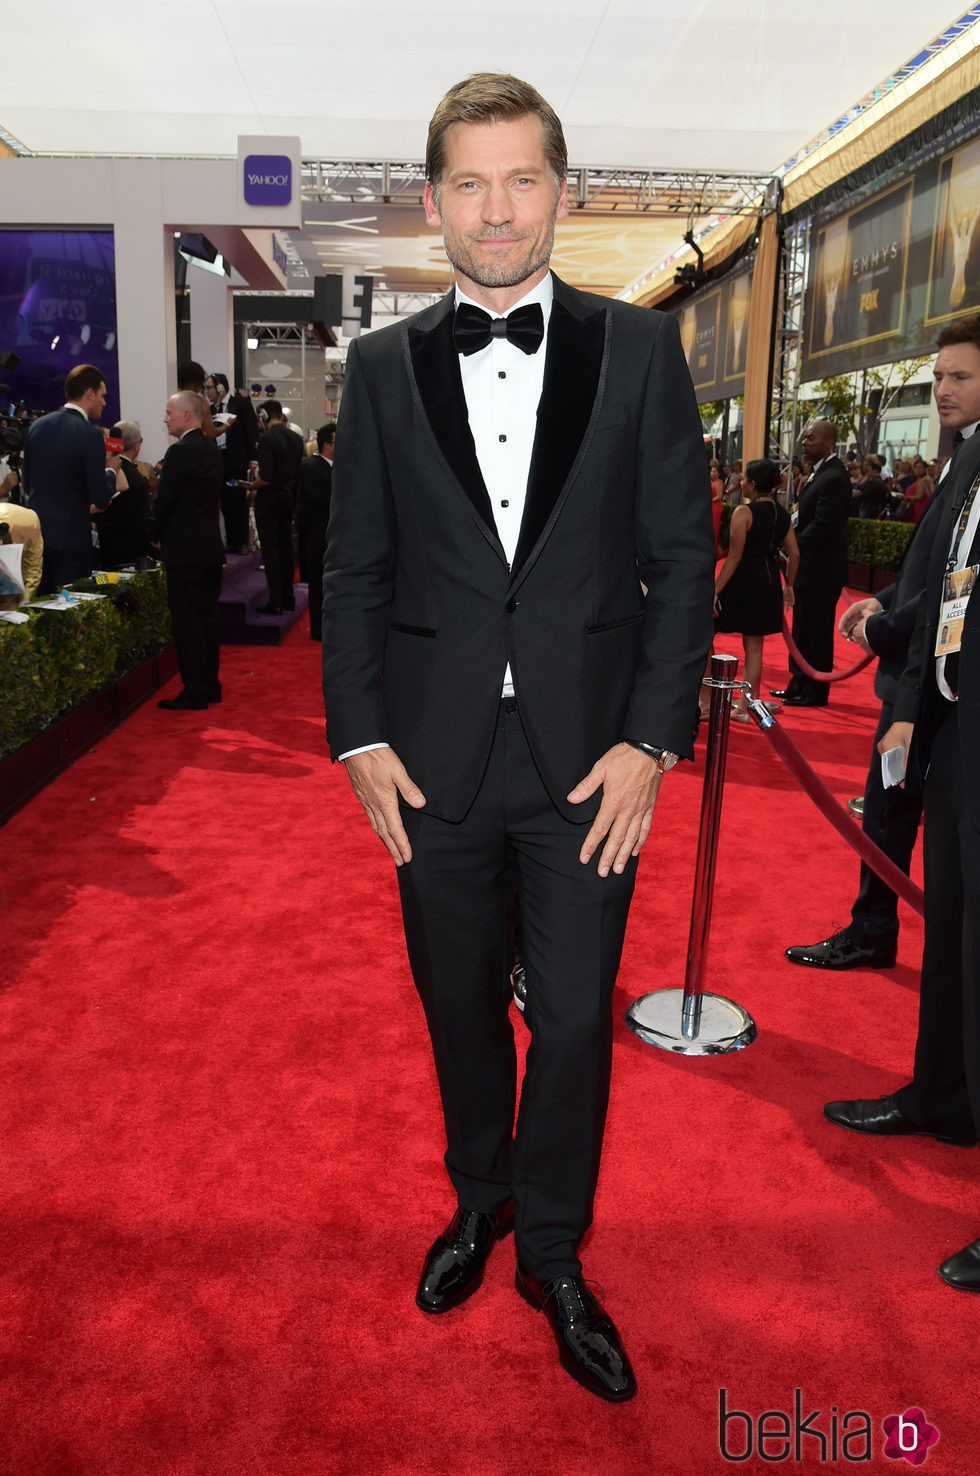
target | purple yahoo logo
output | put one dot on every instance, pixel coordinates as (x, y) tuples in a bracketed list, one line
[(910, 1437), (268, 179)]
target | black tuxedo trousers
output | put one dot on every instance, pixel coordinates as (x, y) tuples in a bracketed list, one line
[(944, 1093), (455, 896)]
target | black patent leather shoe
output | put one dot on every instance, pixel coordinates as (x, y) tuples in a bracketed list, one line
[(781, 692), (840, 951), (588, 1343), (182, 703), (963, 1269), (883, 1118), (796, 699), (456, 1261)]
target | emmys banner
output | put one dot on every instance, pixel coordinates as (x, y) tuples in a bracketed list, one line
[(954, 275), (885, 276), (861, 262), (714, 333)]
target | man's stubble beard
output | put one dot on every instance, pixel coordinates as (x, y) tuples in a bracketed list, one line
[(505, 274)]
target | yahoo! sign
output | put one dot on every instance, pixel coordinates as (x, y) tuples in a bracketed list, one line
[(268, 179)]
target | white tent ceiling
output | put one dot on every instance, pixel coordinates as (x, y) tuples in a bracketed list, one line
[(708, 84)]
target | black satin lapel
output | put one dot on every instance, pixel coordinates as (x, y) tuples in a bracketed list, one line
[(571, 381), (436, 366)]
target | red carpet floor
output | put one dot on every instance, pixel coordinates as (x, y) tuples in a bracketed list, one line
[(221, 1142)]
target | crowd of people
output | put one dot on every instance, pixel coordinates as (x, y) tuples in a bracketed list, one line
[(78, 497)]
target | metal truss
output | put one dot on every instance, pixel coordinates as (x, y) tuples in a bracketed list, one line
[(288, 334), (659, 192), (398, 304), (788, 347)]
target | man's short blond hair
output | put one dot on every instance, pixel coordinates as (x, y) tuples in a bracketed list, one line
[(489, 97)]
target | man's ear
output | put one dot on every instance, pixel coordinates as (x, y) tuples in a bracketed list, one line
[(562, 210), (432, 216)]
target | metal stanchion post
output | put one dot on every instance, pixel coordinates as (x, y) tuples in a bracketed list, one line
[(689, 1021)]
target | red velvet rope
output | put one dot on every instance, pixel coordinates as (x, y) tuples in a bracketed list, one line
[(831, 810), (821, 676)]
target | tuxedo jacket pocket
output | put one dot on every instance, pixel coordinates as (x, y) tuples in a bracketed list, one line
[(411, 630), (613, 624)]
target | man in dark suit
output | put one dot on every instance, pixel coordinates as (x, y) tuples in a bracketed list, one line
[(882, 626), (123, 526), (280, 455), (65, 477), (821, 532), (517, 608), (312, 514), (185, 524), (937, 724)]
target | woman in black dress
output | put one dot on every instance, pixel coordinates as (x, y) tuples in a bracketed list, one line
[(749, 599)]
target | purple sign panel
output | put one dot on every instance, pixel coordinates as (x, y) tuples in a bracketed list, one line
[(268, 179), (57, 309)]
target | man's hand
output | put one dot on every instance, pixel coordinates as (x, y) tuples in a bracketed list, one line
[(630, 780), (855, 615), (378, 777), (899, 735)]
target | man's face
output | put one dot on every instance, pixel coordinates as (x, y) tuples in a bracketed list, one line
[(93, 402), (498, 203), (817, 442), (956, 378), (175, 419), (211, 390)]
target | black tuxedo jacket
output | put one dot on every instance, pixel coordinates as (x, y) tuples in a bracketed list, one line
[(64, 475), (315, 486), (185, 515), (919, 699), (821, 527), (889, 633), (122, 526), (421, 611)]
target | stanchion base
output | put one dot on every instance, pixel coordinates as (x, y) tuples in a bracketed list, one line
[(725, 1026)]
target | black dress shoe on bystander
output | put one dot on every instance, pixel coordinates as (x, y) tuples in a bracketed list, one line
[(883, 1118), (963, 1269), (456, 1261), (588, 1343), (840, 951), (182, 703)]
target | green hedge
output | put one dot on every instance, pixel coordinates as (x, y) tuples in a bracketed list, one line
[(60, 658), (879, 545)]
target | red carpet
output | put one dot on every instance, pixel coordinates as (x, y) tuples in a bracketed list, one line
[(222, 1151)]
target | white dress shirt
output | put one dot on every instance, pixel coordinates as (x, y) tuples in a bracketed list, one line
[(962, 553), (502, 386)]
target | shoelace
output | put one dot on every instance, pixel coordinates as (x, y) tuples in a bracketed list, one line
[(598, 1295)]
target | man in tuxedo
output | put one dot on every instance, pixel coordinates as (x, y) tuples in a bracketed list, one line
[(821, 532), (237, 450), (937, 724), (882, 626), (312, 515), (122, 526), (280, 455), (517, 609), (185, 524), (65, 477)]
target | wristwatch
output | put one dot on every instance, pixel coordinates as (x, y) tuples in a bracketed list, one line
[(662, 757)]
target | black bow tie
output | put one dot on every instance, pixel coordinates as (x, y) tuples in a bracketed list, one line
[(473, 328)]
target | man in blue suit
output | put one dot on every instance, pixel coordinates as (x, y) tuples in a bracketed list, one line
[(65, 477)]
